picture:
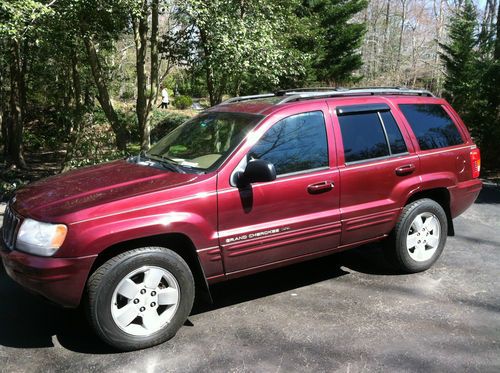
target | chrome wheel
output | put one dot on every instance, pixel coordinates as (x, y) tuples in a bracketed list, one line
[(423, 237), (145, 301)]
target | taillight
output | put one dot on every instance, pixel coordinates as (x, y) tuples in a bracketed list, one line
[(475, 161)]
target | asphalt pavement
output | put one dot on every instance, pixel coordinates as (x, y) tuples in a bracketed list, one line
[(348, 312)]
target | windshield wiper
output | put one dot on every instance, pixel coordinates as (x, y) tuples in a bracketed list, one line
[(165, 162)]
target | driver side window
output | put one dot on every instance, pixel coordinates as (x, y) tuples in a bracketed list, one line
[(294, 144)]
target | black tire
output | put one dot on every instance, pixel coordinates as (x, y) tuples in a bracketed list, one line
[(103, 282), (396, 247)]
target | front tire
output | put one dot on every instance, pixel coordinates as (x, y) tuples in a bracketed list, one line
[(140, 298), (419, 236)]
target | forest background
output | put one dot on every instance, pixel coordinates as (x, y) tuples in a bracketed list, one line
[(80, 80)]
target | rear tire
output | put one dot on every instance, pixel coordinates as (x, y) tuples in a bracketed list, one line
[(140, 298), (419, 236)]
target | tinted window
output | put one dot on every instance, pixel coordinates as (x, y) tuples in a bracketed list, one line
[(432, 125), (296, 143), (393, 133), (363, 137)]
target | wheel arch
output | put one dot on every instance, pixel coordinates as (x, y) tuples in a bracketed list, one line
[(440, 195), (177, 242)]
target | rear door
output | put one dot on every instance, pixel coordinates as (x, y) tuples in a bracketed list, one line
[(444, 147), (378, 168), (298, 213)]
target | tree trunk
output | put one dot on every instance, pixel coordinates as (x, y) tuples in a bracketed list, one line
[(436, 75), (209, 73), (22, 82), (145, 101), (140, 27), (118, 127), (3, 126), (15, 137), (4, 116), (78, 117), (154, 83), (497, 41), (401, 32), (496, 70), (385, 51)]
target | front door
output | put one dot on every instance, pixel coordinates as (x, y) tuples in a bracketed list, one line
[(295, 215)]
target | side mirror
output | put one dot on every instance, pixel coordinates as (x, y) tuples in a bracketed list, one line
[(256, 171)]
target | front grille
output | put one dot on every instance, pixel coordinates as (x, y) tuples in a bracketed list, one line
[(9, 228)]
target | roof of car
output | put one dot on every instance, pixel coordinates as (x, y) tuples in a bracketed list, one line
[(263, 103)]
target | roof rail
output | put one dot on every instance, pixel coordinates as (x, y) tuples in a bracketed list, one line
[(283, 92), (298, 94), (245, 98)]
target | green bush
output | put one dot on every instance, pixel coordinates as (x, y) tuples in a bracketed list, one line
[(171, 121), (183, 102), (97, 141), (10, 180), (47, 130), (130, 119), (158, 116), (128, 94)]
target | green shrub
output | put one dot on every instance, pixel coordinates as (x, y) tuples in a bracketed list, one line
[(128, 94), (10, 180), (130, 119), (97, 142), (159, 115), (47, 130), (171, 121), (183, 102), (7, 188)]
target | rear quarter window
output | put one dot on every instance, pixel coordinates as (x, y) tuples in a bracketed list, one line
[(431, 125)]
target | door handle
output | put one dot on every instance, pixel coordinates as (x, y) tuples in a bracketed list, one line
[(405, 170), (321, 187)]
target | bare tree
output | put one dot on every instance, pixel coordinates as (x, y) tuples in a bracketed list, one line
[(402, 43)]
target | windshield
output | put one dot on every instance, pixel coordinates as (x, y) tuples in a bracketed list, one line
[(206, 140)]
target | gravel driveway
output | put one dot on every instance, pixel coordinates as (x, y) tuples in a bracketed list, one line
[(348, 312)]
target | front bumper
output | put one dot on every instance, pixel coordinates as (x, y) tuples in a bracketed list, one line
[(60, 280)]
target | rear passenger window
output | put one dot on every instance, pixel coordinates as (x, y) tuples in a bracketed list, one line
[(393, 133), (370, 135), (432, 125), (294, 144), (363, 137)]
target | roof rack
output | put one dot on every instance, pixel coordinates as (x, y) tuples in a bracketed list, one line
[(283, 92), (298, 94), (246, 98)]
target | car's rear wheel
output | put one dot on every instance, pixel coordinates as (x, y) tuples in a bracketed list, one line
[(419, 236), (140, 298)]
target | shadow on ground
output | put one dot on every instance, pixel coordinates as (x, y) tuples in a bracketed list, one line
[(28, 321), (489, 194)]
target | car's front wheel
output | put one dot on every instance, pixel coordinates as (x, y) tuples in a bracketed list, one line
[(140, 298), (419, 236)]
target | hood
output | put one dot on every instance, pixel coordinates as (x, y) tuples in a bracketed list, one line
[(76, 190)]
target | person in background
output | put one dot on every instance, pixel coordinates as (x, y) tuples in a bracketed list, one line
[(164, 98)]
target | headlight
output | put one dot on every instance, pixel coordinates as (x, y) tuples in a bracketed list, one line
[(40, 238)]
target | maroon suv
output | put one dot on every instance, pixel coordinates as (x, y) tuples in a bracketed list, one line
[(254, 183)]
